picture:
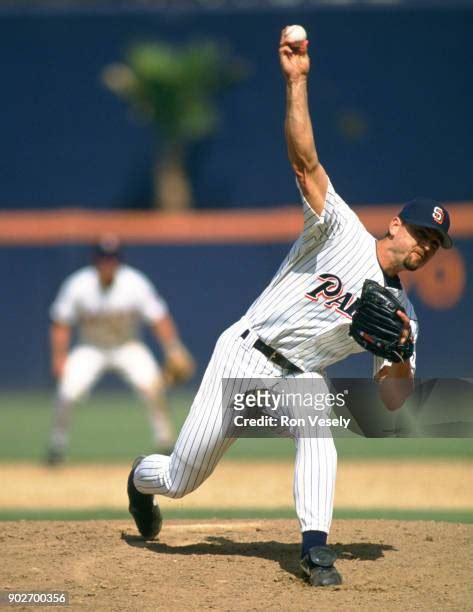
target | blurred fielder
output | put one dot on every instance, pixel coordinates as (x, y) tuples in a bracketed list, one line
[(107, 302), (311, 315)]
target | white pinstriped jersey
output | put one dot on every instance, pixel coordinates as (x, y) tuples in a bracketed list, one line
[(111, 316), (305, 312)]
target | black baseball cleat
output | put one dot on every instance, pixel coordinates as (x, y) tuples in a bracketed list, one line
[(318, 566), (55, 457), (142, 508)]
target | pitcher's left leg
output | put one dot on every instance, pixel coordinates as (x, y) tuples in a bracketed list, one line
[(314, 482), (314, 488)]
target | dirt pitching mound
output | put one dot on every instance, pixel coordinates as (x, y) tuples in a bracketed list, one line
[(239, 565)]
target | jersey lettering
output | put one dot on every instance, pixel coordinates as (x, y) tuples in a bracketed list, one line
[(344, 305), (332, 288)]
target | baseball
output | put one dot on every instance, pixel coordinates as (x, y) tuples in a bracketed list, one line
[(295, 34)]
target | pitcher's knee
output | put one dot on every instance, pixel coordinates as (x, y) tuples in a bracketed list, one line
[(151, 476), (180, 487), (168, 476), (154, 480), (144, 485), (185, 481), (178, 492)]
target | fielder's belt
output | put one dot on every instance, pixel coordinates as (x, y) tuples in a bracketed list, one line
[(273, 355)]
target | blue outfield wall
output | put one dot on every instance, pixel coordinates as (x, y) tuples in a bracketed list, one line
[(391, 94), (207, 288)]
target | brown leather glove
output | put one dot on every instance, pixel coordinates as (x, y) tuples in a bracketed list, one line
[(179, 365)]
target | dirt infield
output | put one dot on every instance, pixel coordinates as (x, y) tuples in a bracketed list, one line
[(374, 484), (239, 565)]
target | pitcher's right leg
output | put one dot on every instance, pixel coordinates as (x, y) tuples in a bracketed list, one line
[(202, 440)]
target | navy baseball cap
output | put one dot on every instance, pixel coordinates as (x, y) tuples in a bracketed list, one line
[(108, 247), (425, 212)]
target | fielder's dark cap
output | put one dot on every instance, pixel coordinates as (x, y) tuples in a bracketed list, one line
[(108, 247), (425, 212)]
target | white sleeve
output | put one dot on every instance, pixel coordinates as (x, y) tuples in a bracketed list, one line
[(151, 304), (334, 218), (63, 309)]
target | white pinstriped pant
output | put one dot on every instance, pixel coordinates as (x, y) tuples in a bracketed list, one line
[(202, 441)]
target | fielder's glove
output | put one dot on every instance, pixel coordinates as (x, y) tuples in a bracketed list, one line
[(376, 326), (179, 365)]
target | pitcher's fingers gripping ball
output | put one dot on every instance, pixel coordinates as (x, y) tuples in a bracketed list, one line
[(295, 36), (294, 43), (293, 55)]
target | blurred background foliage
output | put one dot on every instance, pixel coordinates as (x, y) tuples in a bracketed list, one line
[(176, 90)]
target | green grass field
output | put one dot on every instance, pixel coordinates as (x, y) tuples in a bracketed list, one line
[(113, 427), (97, 514)]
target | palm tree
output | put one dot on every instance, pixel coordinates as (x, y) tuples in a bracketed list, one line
[(175, 89)]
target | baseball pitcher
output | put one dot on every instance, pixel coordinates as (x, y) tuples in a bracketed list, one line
[(336, 293)]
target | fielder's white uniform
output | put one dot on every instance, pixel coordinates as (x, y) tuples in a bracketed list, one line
[(304, 314), (108, 321)]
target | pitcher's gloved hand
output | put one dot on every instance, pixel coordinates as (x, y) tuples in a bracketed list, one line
[(380, 324)]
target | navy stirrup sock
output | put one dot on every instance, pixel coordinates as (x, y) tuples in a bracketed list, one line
[(312, 538)]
